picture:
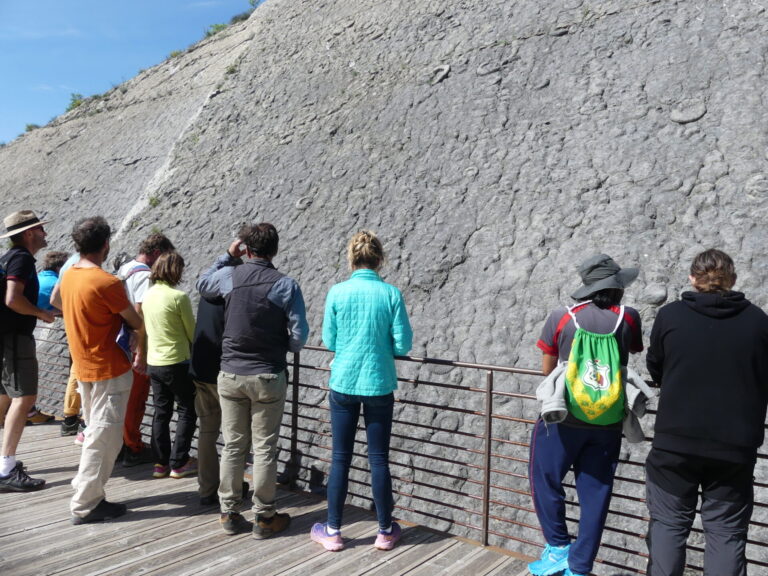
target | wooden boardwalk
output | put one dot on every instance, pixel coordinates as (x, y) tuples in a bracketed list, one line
[(167, 532)]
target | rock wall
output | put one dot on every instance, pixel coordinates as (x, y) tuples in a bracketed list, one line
[(492, 144)]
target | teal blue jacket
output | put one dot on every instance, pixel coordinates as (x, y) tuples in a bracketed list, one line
[(366, 325)]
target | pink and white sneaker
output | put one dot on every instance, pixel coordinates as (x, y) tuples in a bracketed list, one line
[(387, 540), (189, 469), (332, 543)]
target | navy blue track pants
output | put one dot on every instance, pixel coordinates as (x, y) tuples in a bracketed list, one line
[(593, 453)]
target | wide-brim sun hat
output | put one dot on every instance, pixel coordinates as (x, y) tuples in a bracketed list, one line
[(20, 221), (600, 272)]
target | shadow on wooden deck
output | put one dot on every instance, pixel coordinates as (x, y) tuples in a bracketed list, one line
[(167, 531)]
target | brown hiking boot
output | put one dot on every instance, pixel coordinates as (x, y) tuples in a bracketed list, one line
[(267, 527), (233, 523)]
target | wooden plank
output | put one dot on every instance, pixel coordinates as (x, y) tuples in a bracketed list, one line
[(357, 536), (416, 545), (304, 550), (226, 556), (446, 562), (172, 545), (427, 543), (52, 503), (56, 530), (98, 546), (509, 567), (167, 532)]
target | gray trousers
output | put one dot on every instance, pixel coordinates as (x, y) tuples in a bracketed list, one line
[(251, 411), (726, 508), (209, 415)]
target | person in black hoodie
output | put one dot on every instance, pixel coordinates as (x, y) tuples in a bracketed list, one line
[(709, 354)]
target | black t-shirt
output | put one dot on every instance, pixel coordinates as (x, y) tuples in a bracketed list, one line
[(21, 268)]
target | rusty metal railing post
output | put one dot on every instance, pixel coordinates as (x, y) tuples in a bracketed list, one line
[(487, 455), (293, 467)]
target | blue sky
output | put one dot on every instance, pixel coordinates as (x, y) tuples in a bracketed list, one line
[(50, 49)]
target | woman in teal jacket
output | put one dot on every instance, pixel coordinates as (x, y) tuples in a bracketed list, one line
[(366, 325)]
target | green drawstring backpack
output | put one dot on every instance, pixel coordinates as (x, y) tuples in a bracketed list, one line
[(595, 391)]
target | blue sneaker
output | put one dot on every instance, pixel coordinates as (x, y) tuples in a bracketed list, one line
[(554, 559), (569, 573)]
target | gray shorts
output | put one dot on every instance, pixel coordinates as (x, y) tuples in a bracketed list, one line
[(18, 356)]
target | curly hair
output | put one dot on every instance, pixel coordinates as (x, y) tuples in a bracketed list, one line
[(91, 234), (54, 260), (365, 251), (713, 271), (156, 242)]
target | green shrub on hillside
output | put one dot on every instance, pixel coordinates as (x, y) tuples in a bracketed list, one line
[(75, 100), (214, 29), (242, 17), (30, 127)]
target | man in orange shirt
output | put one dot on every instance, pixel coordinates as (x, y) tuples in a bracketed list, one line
[(94, 305)]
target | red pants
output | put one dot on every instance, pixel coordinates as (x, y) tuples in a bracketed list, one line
[(134, 414)]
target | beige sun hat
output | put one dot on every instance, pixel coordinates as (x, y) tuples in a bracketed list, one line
[(20, 221)]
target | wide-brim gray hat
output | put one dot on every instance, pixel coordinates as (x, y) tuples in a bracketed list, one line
[(20, 221), (600, 272)]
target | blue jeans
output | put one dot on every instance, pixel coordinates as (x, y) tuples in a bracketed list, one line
[(345, 412)]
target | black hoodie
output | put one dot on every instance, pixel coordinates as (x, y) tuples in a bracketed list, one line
[(709, 353)]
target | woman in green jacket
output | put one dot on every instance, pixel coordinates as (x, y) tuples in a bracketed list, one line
[(170, 327), (366, 325)]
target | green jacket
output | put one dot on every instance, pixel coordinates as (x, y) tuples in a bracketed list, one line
[(170, 325)]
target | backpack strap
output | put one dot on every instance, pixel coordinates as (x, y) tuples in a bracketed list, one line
[(138, 268), (571, 315), (620, 318), (565, 319), (572, 310)]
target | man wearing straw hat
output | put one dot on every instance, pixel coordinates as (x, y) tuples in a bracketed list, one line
[(18, 318)]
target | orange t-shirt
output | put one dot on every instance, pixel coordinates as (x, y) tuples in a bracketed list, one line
[(92, 300)]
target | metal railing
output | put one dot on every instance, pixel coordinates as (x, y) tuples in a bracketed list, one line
[(459, 455), (466, 470)]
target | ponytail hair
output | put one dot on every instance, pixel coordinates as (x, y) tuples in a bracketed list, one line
[(713, 271), (365, 251)]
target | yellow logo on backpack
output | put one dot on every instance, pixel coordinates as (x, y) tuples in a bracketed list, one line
[(595, 391)]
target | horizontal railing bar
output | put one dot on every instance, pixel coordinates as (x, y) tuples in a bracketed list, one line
[(455, 363)]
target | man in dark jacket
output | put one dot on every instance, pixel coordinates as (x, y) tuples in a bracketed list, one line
[(264, 319), (709, 353)]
